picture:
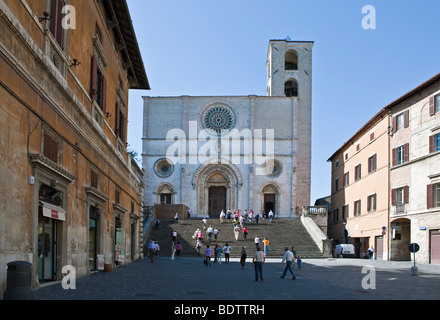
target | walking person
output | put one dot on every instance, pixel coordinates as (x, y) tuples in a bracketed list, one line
[(198, 247), (245, 233), (157, 223), (298, 262), (220, 253), (178, 249), (173, 250), (257, 217), (270, 215), (216, 232), (290, 260), (257, 242), (174, 235), (215, 253), (257, 262), (236, 232), (370, 252), (176, 217), (226, 249), (243, 256), (208, 252)]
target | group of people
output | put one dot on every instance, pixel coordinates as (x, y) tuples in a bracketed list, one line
[(217, 253), (245, 217)]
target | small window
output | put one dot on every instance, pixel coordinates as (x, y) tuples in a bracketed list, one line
[(346, 156), (371, 203), (437, 103), (345, 212), (56, 19), (291, 60), (336, 215), (358, 147), (291, 88), (346, 179), (400, 153), (399, 121), (357, 172), (357, 208), (337, 164), (117, 195), (437, 195), (165, 198), (434, 143), (50, 148), (372, 163), (94, 176), (336, 184)]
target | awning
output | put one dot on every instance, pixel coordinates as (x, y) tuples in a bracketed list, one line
[(53, 212)]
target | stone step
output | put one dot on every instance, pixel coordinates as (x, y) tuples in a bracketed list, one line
[(281, 234)]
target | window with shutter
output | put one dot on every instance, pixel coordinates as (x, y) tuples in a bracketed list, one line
[(432, 103), (430, 196), (50, 148), (434, 143), (93, 179), (56, 19)]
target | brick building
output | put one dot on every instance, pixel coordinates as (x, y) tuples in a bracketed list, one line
[(70, 193)]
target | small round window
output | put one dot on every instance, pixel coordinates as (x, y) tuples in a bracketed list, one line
[(163, 168), (272, 168)]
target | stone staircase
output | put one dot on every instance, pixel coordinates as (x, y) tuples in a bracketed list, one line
[(281, 234)]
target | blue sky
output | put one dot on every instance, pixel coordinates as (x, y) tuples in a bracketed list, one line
[(206, 47)]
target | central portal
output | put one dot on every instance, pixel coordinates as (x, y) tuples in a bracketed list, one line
[(217, 201)]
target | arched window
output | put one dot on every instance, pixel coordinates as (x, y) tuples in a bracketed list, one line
[(291, 88), (291, 60)]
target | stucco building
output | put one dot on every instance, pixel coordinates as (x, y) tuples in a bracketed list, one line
[(213, 153), (386, 180), (70, 192), (360, 180)]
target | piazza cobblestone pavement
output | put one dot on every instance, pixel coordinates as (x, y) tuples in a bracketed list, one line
[(319, 279)]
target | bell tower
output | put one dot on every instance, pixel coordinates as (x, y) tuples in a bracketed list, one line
[(289, 75), (289, 68)]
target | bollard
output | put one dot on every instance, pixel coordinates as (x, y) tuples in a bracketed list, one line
[(19, 281)]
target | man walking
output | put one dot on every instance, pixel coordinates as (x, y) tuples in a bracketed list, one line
[(257, 262), (290, 259)]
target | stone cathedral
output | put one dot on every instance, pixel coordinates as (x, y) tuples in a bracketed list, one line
[(214, 153)]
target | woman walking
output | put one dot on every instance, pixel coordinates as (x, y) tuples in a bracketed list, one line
[(243, 257)]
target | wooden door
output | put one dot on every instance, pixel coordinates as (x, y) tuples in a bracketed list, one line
[(217, 201)]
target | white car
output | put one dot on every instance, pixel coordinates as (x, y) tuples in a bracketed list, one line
[(345, 251)]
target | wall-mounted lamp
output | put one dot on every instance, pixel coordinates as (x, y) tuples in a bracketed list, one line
[(108, 115), (75, 63), (390, 131), (45, 18)]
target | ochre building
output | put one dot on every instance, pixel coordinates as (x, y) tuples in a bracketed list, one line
[(70, 193)]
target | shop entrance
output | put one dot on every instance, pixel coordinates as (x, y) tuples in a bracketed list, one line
[(47, 247), (50, 218), (93, 238)]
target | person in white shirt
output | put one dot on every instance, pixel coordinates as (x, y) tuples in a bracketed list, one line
[(257, 241), (290, 260), (209, 232), (226, 250), (257, 263)]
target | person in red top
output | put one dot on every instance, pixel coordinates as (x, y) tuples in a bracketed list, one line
[(245, 232)]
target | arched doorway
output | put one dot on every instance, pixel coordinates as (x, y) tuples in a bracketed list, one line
[(217, 186), (270, 199)]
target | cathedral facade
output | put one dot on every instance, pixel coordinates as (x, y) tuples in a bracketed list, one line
[(214, 153)]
